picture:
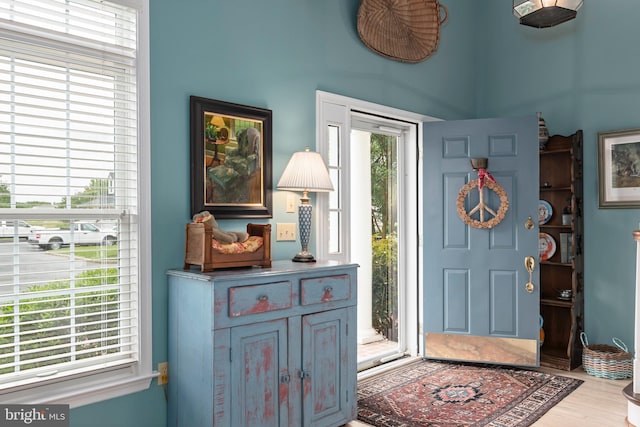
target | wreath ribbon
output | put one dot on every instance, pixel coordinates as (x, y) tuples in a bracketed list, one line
[(482, 174)]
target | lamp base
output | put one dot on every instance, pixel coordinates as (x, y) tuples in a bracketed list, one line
[(303, 257)]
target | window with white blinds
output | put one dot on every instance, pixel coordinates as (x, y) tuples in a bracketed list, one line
[(69, 190)]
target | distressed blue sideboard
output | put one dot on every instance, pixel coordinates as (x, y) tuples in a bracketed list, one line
[(263, 346)]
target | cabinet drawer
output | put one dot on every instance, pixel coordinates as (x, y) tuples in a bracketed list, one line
[(246, 300), (325, 289)]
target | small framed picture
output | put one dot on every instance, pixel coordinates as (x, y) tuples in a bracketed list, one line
[(619, 168)]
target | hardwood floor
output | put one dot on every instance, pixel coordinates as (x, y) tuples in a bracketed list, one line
[(596, 403)]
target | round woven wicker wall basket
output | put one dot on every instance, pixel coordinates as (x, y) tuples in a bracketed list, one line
[(403, 30)]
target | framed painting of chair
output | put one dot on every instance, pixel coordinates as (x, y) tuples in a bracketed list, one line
[(231, 174)]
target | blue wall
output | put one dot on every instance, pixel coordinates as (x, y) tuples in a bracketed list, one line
[(275, 54)]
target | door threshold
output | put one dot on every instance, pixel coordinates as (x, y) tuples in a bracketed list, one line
[(385, 367)]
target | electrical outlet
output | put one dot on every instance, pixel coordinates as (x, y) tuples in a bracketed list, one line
[(286, 231), (163, 369)]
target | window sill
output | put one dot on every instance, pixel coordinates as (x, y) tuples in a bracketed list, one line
[(82, 391)]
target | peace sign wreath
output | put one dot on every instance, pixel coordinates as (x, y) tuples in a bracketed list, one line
[(481, 206)]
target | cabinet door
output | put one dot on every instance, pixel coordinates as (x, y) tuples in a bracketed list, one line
[(325, 364), (259, 385)]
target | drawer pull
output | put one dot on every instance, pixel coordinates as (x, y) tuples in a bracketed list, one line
[(263, 298), (327, 295)]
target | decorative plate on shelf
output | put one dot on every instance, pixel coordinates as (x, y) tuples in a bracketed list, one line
[(545, 211), (546, 246)]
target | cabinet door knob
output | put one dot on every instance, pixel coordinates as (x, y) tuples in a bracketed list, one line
[(263, 298), (305, 375)]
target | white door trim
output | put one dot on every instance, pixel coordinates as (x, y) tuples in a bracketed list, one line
[(333, 109)]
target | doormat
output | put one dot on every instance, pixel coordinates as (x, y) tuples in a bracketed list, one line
[(443, 394)]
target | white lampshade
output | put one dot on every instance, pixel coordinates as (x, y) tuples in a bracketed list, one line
[(305, 171), (545, 13)]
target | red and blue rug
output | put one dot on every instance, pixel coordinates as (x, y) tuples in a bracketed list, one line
[(441, 394)]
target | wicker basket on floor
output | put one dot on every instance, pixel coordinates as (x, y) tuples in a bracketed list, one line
[(606, 361)]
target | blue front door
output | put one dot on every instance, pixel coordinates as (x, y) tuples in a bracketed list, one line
[(477, 305)]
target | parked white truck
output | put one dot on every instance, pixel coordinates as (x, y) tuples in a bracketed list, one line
[(84, 233), (8, 229)]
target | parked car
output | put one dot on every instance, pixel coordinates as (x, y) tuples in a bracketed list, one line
[(107, 225), (84, 233), (7, 229)]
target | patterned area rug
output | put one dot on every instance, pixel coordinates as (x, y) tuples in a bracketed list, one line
[(442, 394)]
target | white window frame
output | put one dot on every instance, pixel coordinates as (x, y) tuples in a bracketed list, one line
[(333, 109), (121, 380)]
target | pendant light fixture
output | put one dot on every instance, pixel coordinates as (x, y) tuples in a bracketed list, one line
[(545, 13)]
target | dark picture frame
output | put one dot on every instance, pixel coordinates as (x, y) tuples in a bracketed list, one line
[(619, 168), (231, 172)]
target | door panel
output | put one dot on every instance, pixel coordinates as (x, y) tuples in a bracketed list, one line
[(503, 294), (456, 301), (259, 358), (476, 307), (324, 340)]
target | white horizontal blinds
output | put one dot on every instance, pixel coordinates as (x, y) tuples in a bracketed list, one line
[(107, 26), (68, 189), (67, 108)]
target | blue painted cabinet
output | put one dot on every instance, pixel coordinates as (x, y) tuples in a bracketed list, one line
[(263, 347)]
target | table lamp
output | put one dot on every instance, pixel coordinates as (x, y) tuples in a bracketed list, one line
[(222, 136), (306, 171)]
